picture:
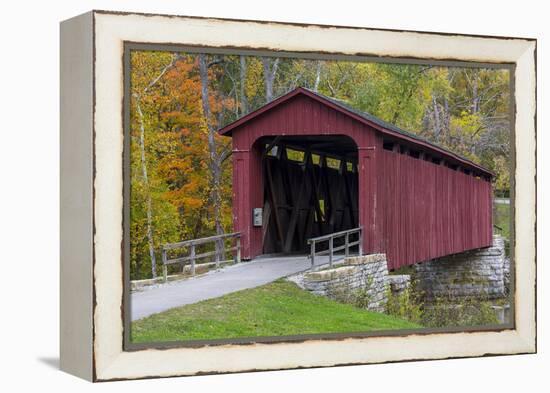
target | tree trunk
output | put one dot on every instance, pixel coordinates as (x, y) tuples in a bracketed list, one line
[(147, 190), (317, 77), (214, 164), (149, 208), (244, 101), (270, 71), (437, 120), (475, 95), (446, 119)]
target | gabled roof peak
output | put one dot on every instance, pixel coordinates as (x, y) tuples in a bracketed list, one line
[(363, 117)]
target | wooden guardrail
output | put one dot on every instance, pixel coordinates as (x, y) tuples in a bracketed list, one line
[(331, 249), (191, 245)]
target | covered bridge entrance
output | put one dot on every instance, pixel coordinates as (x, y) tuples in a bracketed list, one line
[(306, 165), (310, 189)]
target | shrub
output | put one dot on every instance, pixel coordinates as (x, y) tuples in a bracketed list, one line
[(344, 292), (413, 306), (448, 311), (444, 311), (405, 305)]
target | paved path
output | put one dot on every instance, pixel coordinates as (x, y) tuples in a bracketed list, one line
[(216, 283)]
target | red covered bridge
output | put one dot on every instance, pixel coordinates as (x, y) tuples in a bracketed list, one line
[(306, 165)]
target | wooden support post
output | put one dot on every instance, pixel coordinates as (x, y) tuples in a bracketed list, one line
[(274, 207), (308, 223), (329, 203), (266, 216), (316, 195), (164, 267), (347, 244), (330, 247), (238, 259), (338, 204), (312, 253), (294, 214), (349, 198), (342, 167), (217, 254), (192, 259), (361, 242), (222, 249)]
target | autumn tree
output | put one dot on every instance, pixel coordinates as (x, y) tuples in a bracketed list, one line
[(149, 70), (181, 169)]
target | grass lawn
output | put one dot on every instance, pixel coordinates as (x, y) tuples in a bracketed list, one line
[(502, 219), (276, 309)]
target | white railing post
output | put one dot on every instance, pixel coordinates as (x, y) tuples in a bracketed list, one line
[(164, 267), (192, 256), (238, 248), (330, 248), (222, 248), (218, 251)]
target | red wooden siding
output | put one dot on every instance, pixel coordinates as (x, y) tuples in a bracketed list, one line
[(429, 210), (300, 116), (411, 209)]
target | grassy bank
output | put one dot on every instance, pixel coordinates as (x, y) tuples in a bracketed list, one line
[(276, 309), (501, 217)]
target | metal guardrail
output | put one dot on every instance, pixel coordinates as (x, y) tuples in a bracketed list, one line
[(331, 249), (218, 253)]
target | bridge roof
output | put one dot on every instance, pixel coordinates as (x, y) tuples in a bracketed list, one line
[(361, 116)]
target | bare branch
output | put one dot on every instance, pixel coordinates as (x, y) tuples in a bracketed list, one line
[(225, 154), (215, 62), (175, 58)]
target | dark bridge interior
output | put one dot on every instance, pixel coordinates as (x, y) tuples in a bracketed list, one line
[(310, 189)]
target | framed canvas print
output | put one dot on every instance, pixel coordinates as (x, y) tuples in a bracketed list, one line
[(246, 195)]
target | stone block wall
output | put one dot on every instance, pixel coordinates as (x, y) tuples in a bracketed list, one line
[(399, 283), (473, 273), (367, 275), (478, 273), (507, 275)]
